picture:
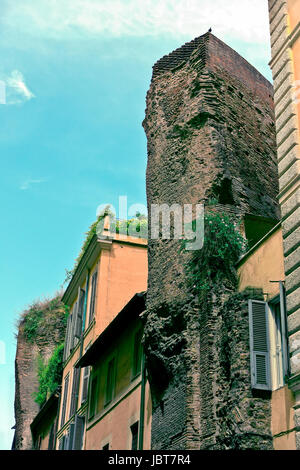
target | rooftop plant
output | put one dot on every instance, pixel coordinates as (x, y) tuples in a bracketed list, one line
[(137, 224), (41, 314)]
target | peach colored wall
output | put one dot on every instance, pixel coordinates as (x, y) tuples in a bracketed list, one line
[(264, 265), (296, 61), (115, 426), (283, 419), (44, 443), (294, 13), (123, 273), (294, 19), (115, 419)]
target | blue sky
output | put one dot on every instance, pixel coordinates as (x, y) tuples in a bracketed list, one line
[(76, 73)]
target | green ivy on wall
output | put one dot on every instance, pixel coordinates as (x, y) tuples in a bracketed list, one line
[(215, 262), (49, 375)]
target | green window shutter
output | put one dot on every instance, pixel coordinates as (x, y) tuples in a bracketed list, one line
[(85, 384), (74, 396), (64, 405), (61, 443), (93, 296), (93, 396), (110, 381), (137, 354), (259, 345), (78, 327), (51, 437), (78, 432), (72, 329), (70, 437), (67, 338)]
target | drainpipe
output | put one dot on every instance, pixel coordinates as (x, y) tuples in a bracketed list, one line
[(284, 329), (142, 404)]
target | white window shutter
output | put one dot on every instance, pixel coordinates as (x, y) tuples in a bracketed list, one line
[(259, 345)]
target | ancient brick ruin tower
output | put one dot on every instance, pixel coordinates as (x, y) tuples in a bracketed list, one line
[(211, 139)]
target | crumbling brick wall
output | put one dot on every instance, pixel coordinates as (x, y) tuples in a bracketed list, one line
[(49, 334), (210, 130)]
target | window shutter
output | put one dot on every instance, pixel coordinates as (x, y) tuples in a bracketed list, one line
[(110, 381), (78, 432), (137, 353), (78, 328), (74, 397), (63, 413), (72, 329), (259, 345), (85, 384), (66, 349), (51, 437), (93, 296), (61, 444), (70, 436)]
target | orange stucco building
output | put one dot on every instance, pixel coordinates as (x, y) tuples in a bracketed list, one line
[(112, 270)]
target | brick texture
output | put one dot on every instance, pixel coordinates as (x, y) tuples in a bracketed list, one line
[(211, 139)]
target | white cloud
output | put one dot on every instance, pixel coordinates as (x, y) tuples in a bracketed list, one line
[(16, 90), (246, 20), (28, 183)]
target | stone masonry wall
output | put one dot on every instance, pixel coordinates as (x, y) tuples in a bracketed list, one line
[(210, 129), (26, 372)]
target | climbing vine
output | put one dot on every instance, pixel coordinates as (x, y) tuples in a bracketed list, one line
[(215, 262), (49, 374)]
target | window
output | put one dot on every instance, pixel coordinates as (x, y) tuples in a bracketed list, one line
[(78, 432), (75, 386), (69, 438), (268, 343), (85, 384), (93, 296), (134, 435), (67, 338), (51, 437), (137, 354), (259, 345), (110, 381), (93, 396), (80, 310), (64, 404), (61, 443)]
